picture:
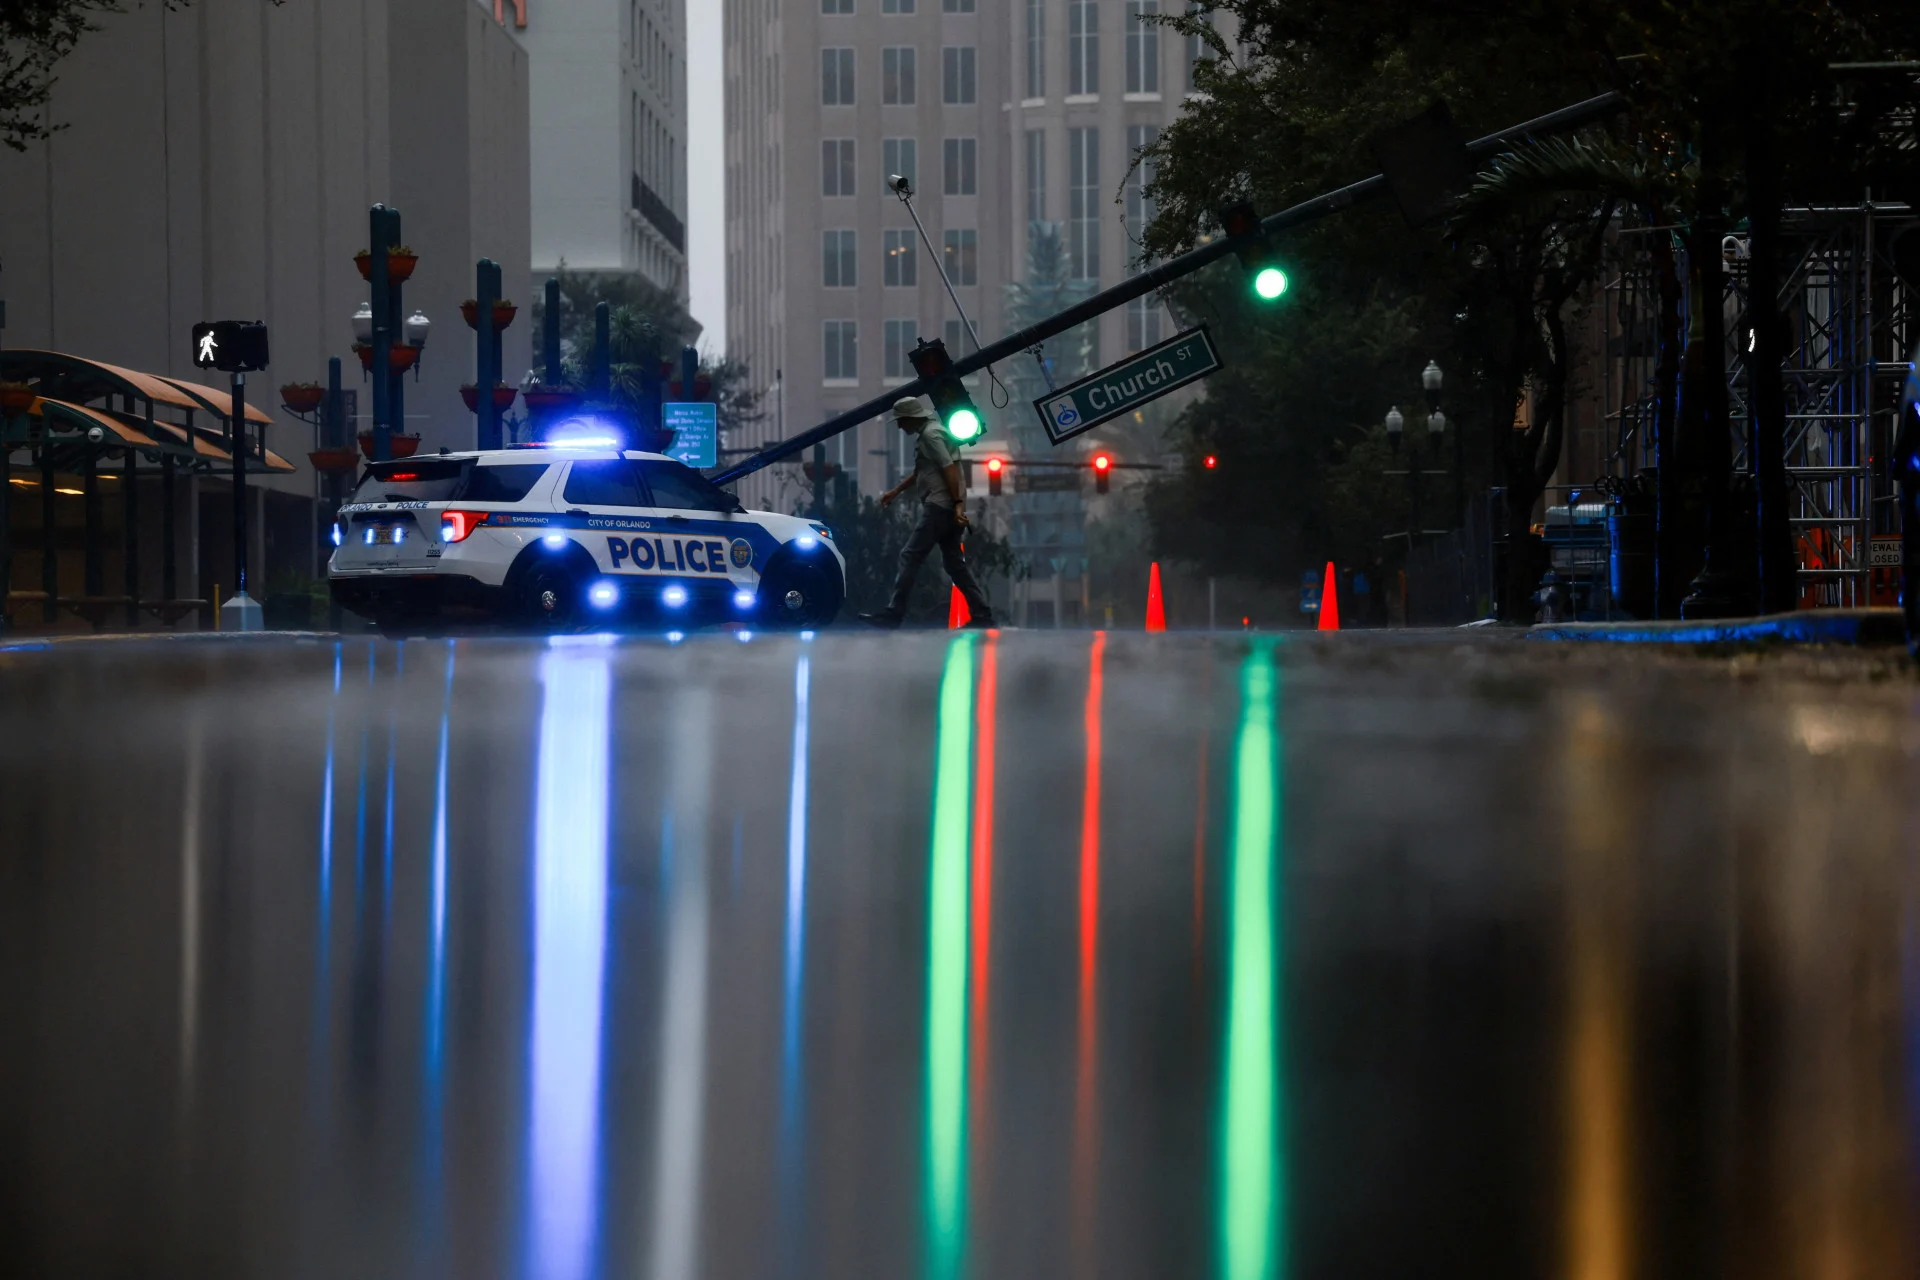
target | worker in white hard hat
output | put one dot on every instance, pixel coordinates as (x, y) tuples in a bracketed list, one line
[(942, 486)]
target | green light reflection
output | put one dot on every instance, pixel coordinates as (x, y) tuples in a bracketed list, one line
[(1253, 1243), (945, 1177)]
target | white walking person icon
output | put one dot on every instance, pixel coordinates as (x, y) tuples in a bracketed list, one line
[(207, 346)]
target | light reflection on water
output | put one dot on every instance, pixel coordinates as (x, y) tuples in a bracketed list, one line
[(569, 949), (993, 985)]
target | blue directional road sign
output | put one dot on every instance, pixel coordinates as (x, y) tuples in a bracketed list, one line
[(1124, 387), (696, 432)]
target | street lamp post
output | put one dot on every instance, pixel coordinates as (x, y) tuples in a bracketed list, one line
[(1431, 381)]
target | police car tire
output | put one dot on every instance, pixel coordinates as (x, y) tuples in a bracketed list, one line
[(548, 598), (821, 591)]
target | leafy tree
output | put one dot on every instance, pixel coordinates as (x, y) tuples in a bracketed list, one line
[(1287, 108), (34, 36), (646, 328)]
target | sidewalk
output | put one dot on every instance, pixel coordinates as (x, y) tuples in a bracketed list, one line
[(1807, 626)]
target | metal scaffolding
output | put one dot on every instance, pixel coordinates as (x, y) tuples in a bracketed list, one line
[(1848, 296)]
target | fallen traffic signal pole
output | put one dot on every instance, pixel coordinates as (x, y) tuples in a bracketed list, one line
[(1154, 278)]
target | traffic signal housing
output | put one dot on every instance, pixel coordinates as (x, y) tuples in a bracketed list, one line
[(995, 469), (1102, 472), (1241, 222), (958, 413)]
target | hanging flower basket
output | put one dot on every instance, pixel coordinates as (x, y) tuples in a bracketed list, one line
[(335, 462), (302, 397), (400, 356), (502, 396), (400, 446), (16, 397), (400, 263), (503, 314), (550, 399)]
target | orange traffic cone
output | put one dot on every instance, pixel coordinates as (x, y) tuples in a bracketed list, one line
[(1330, 601), (958, 615), (1156, 607)]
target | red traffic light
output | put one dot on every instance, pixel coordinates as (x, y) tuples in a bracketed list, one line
[(994, 465), (1101, 462), (1102, 466), (1211, 462)]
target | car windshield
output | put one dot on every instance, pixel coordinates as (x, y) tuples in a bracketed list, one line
[(411, 480)]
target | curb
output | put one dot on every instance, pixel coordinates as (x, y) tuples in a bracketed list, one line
[(1810, 626)]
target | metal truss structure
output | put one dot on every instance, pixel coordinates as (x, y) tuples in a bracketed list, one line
[(1850, 295)]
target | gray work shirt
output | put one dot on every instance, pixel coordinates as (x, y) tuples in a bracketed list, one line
[(933, 453)]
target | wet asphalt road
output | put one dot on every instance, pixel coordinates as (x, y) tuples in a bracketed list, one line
[(1039, 954)]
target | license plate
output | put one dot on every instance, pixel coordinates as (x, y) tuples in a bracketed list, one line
[(385, 535)]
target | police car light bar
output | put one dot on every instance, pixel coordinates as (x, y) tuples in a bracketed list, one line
[(582, 442)]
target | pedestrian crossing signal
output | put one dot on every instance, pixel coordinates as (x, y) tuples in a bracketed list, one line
[(231, 346)]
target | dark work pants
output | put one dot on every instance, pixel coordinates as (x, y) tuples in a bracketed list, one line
[(937, 527)]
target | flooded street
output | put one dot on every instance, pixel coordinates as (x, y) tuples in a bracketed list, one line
[(1015, 954)]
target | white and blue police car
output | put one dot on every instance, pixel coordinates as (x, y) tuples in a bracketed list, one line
[(568, 537)]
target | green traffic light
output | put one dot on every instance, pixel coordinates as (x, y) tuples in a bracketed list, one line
[(1270, 283), (964, 424)]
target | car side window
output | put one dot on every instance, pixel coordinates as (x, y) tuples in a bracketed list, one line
[(680, 487), (608, 483), (510, 482)]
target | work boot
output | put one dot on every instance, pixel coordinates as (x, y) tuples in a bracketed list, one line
[(882, 619)]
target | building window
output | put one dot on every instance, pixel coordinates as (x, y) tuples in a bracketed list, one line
[(836, 6), (896, 6), (897, 78), (1143, 322), (901, 156), (1036, 48), (842, 342), (959, 167), (836, 77), (1143, 47), (836, 167), (960, 252), (838, 260), (957, 79), (958, 343), (956, 6), (1139, 204), (1083, 46), (1083, 202), (900, 336), (902, 269), (1197, 50), (1036, 175)]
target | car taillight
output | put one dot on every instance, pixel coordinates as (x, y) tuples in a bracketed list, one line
[(456, 525)]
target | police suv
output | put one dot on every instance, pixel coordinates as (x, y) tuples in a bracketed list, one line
[(562, 538)]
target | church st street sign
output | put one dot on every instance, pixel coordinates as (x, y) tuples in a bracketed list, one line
[(1124, 387)]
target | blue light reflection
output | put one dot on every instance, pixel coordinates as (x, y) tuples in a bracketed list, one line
[(569, 954)]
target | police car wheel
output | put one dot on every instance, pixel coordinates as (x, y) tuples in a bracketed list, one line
[(550, 598), (800, 596)]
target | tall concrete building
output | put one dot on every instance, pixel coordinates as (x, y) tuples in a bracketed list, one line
[(1006, 113), (609, 127), (217, 161), (828, 286)]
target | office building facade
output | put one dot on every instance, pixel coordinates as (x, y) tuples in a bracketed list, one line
[(609, 137)]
